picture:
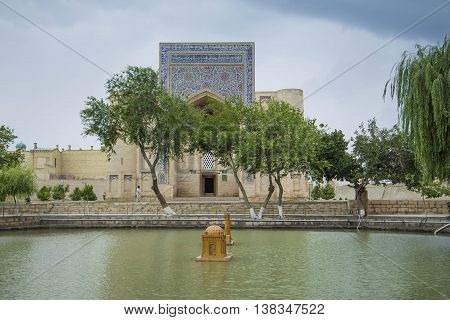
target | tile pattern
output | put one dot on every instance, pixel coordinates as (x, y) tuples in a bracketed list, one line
[(227, 69)]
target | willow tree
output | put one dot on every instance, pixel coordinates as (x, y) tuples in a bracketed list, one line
[(17, 182), (421, 85), (137, 110)]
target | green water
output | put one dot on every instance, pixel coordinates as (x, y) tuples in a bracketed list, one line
[(267, 264)]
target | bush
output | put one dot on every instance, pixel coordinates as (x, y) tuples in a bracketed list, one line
[(59, 191), (76, 194), (327, 192), (44, 193), (87, 193), (315, 193)]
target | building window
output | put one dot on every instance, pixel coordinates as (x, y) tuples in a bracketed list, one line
[(163, 172), (127, 184), (208, 162), (224, 177), (41, 162), (55, 162), (114, 183)]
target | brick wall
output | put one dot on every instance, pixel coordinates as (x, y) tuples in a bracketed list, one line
[(315, 207), (408, 206)]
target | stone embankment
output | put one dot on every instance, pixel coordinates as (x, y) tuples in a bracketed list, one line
[(425, 216), (222, 207)]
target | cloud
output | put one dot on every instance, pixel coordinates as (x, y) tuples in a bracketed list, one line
[(384, 17), (43, 85)]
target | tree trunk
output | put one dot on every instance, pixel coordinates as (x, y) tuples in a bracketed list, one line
[(155, 186), (269, 195), (241, 187), (280, 195), (362, 200)]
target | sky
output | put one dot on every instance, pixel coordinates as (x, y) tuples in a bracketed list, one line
[(340, 53)]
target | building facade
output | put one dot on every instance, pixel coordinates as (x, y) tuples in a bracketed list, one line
[(197, 72)]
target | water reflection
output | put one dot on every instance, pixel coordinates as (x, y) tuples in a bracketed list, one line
[(267, 264)]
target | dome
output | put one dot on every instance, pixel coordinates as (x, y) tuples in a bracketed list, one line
[(21, 146), (214, 230)]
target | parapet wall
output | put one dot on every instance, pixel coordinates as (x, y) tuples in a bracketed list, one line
[(234, 207)]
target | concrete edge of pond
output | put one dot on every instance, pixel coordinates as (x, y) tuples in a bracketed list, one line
[(406, 223)]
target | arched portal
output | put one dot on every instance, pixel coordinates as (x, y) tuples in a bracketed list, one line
[(209, 174), (202, 99)]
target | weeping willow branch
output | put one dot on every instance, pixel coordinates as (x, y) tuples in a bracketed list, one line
[(420, 83)]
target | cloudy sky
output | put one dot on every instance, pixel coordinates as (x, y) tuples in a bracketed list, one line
[(299, 44)]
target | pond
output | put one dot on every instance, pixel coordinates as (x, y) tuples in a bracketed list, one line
[(267, 264)]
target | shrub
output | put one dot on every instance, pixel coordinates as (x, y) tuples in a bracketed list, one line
[(44, 193), (59, 191), (327, 192), (87, 193), (315, 193), (76, 194)]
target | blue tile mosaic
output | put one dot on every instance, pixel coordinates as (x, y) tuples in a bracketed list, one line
[(226, 69)]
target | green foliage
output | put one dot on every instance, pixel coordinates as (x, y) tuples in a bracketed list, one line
[(87, 193), (137, 110), (17, 182), (282, 140), (432, 189), (76, 194), (421, 86), (222, 132), (8, 158), (44, 193), (333, 159), (315, 193), (273, 139), (380, 153), (59, 191), (327, 192)]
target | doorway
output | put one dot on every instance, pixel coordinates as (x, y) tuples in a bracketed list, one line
[(209, 185)]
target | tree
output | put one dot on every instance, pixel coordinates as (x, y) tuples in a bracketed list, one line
[(378, 154), (284, 143), (17, 182), (421, 86), (137, 110), (8, 158), (333, 159), (223, 133), (297, 141)]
